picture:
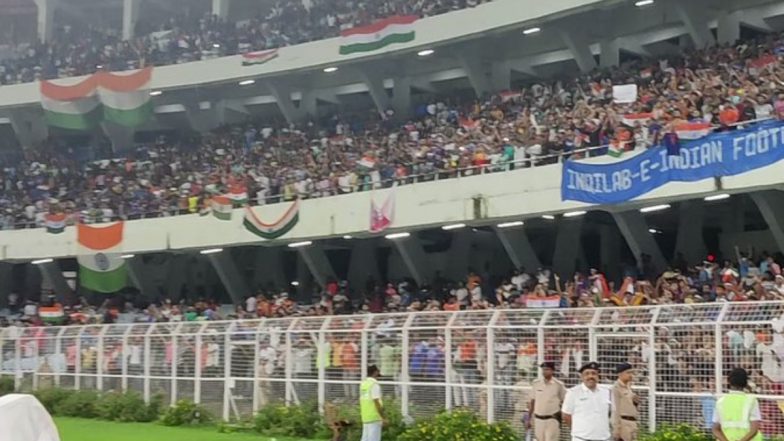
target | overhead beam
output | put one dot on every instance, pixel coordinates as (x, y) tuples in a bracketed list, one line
[(580, 50), (696, 24)]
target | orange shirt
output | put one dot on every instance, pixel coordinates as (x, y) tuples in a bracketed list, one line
[(468, 351), (350, 358), (452, 307), (729, 116)]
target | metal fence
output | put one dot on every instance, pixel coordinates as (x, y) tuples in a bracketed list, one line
[(430, 361)]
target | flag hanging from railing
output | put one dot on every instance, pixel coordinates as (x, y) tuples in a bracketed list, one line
[(382, 217), (101, 265)]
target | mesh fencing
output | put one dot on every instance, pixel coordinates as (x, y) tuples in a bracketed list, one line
[(485, 361)]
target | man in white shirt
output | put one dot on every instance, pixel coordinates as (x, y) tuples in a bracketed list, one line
[(587, 406)]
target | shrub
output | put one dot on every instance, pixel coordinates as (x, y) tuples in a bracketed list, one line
[(52, 397), (279, 420), (79, 403), (680, 432), (396, 423), (7, 385), (460, 425), (127, 407), (185, 412)]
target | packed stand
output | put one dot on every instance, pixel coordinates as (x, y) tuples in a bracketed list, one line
[(76, 51), (540, 124)]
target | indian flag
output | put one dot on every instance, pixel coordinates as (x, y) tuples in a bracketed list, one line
[(397, 29), (52, 315), (71, 105), (238, 195), (55, 223), (693, 130), (632, 119), (616, 149), (99, 253), (259, 57), (542, 302), (126, 96), (221, 207), (273, 230)]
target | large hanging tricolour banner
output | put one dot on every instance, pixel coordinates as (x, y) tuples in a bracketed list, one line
[(720, 154)]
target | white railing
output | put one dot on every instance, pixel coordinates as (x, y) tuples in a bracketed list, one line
[(430, 361)]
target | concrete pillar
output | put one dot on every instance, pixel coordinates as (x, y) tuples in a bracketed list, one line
[(475, 69), (728, 30), (30, 127), (518, 248), (282, 94), (46, 11), (414, 258), (401, 97), (459, 254), (131, 9), (136, 275), (363, 263), (202, 116), (375, 85), (308, 106), (229, 110), (269, 268), (221, 8), (120, 136), (230, 276), (567, 247), (53, 277), (610, 251), (771, 206), (610, 53), (696, 23), (689, 241), (634, 229), (317, 262), (580, 49), (6, 282), (502, 75)]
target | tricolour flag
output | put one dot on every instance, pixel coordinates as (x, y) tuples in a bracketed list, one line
[(238, 194), (52, 315), (126, 97), (693, 130), (382, 217), (509, 95), (276, 229), (632, 119), (397, 29), (759, 64), (259, 57), (542, 302), (99, 253), (122, 98), (55, 223), (221, 207), (616, 149)]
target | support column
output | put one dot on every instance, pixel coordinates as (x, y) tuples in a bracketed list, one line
[(131, 9), (375, 85), (610, 53), (610, 251), (401, 97), (202, 116), (502, 75), (30, 127), (363, 263), (567, 246), (136, 274), (308, 106), (728, 30), (5, 282), (518, 248), (317, 262), (695, 23), (689, 241), (475, 69), (771, 206), (230, 276), (220, 8), (282, 96), (46, 10), (414, 257), (581, 51), (53, 277), (120, 136), (635, 231)]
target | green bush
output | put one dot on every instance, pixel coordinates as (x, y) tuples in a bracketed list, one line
[(279, 420), (52, 397), (127, 407), (460, 425), (396, 423), (79, 403), (185, 412), (6, 385), (680, 432)]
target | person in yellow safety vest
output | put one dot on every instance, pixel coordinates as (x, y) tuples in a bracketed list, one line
[(737, 416), (371, 408)]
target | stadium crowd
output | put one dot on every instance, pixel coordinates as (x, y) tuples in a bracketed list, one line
[(76, 50), (539, 124)]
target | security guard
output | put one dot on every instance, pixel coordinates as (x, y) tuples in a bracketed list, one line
[(545, 407), (587, 406), (370, 406), (737, 416), (625, 402)]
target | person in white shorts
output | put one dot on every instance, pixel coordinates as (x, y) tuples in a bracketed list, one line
[(371, 407)]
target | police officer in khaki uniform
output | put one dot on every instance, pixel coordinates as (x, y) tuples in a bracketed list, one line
[(625, 405), (545, 406)]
